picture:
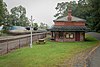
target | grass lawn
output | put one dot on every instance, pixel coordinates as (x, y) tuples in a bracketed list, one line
[(47, 55)]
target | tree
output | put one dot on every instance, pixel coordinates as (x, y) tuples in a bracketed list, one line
[(4, 14), (35, 26), (43, 26), (18, 15), (62, 8), (1, 11), (94, 6), (46, 27)]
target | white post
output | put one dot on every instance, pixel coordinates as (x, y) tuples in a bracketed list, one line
[(31, 31)]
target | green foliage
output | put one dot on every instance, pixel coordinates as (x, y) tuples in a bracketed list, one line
[(43, 26), (47, 55), (62, 8), (1, 11), (18, 16), (35, 26), (4, 15), (95, 13), (1, 33)]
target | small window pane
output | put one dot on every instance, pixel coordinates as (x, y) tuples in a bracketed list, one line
[(71, 35), (67, 35)]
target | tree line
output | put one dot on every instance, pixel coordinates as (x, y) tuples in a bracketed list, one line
[(16, 17), (86, 9)]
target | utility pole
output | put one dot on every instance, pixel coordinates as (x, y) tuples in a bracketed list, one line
[(31, 30)]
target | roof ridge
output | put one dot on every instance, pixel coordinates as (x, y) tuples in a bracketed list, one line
[(64, 19)]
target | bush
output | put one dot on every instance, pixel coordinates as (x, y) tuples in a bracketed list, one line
[(98, 31), (35, 28), (1, 32)]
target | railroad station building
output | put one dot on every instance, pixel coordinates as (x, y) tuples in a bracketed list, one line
[(69, 28)]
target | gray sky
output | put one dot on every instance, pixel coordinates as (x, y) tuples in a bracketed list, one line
[(41, 10)]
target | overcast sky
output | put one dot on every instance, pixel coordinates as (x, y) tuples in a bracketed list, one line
[(41, 10)]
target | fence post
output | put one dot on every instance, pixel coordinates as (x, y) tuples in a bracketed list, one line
[(26, 40), (19, 43), (7, 47)]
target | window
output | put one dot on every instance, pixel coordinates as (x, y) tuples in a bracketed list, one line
[(67, 35), (70, 35)]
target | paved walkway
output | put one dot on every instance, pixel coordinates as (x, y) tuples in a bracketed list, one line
[(95, 58), (96, 35)]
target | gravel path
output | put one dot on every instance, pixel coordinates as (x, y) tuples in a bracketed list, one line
[(94, 60)]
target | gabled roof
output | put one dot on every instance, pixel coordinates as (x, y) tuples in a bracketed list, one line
[(65, 19), (69, 28)]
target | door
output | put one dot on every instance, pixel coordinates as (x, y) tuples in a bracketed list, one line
[(61, 36), (77, 36)]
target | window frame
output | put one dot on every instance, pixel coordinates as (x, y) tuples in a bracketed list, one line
[(68, 35)]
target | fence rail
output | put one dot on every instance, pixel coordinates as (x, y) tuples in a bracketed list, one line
[(9, 44)]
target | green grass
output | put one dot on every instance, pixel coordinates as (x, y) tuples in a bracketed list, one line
[(47, 55)]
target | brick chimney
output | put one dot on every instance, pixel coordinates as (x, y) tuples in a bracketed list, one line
[(69, 15)]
